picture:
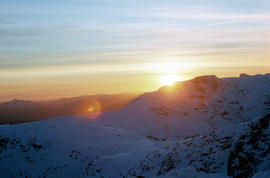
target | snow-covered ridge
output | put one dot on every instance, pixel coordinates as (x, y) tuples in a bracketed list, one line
[(194, 128), (196, 105)]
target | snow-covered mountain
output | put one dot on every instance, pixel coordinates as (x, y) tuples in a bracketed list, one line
[(204, 127)]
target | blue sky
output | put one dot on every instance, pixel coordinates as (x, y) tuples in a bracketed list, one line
[(40, 39), (33, 28)]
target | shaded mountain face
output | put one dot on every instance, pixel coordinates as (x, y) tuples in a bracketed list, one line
[(204, 127), (18, 111)]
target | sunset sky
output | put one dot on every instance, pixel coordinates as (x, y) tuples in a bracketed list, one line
[(61, 48)]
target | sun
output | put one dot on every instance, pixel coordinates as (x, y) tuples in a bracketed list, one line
[(170, 79)]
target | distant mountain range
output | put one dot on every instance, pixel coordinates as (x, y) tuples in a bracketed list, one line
[(204, 127), (18, 111)]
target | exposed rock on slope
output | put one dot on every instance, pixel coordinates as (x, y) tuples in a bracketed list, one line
[(251, 153)]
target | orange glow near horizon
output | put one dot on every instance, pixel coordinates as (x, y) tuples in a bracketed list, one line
[(50, 83)]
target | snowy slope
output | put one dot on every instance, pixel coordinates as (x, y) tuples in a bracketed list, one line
[(194, 128), (68, 147)]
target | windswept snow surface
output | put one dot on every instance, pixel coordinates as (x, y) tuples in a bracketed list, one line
[(192, 129)]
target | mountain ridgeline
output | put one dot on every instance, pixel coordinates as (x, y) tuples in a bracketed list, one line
[(18, 111), (204, 127)]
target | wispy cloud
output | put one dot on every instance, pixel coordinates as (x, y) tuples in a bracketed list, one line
[(207, 16)]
